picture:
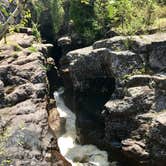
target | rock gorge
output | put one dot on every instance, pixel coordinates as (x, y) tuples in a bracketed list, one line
[(64, 103), (116, 88)]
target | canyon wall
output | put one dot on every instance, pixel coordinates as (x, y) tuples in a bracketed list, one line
[(28, 118), (117, 89)]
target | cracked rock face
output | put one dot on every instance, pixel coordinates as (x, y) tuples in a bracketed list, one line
[(134, 109), (136, 121), (25, 138)]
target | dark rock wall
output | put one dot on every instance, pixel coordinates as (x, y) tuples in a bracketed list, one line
[(117, 89)]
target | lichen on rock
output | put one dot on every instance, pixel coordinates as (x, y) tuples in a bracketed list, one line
[(25, 135)]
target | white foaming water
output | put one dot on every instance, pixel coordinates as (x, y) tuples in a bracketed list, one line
[(77, 155)]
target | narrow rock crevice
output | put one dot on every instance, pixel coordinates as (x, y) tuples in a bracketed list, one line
[(116, 93)]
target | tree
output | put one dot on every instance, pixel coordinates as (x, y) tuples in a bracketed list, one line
[(129, 17)]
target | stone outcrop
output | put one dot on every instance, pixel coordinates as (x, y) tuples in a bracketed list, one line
[(133, 120), (121, 82), (25, 135)]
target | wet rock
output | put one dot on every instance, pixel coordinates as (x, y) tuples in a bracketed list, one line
[(56, 123)]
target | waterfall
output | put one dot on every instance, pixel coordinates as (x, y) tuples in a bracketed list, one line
[(77, 155)]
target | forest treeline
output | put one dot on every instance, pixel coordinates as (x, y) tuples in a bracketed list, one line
[(93, 19)]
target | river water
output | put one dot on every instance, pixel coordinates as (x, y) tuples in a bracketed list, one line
[(76, 154)]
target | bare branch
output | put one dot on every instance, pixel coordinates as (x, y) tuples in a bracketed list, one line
[(12, 17)]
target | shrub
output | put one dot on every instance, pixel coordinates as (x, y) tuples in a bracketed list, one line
[(89, 18), (36, 32), (129, 17)]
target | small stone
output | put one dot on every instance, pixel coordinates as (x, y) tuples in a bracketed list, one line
[(66, 40), (50, 61)]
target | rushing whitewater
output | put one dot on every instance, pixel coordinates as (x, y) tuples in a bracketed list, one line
[(77, 155)]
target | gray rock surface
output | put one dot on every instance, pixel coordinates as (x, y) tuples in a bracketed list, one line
[(134, 79), (25, 137)]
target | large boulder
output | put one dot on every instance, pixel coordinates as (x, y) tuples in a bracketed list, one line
[(133, 122), (25, 137), (124, 77)]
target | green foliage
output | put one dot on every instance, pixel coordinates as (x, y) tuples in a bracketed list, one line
[(135, 72), (9, 17), (3, 10), (3, 139), (26, 17), (128, 43), (38, 6), (88, 18), (92, 19), (5, 162), (57, 14), (36, 32), (81, 16), (32, 49), (162, 2), (129, 17), (16, 46), (54, 7)]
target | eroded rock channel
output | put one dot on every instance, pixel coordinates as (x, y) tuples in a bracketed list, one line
[(116, 87), (114, 95)]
